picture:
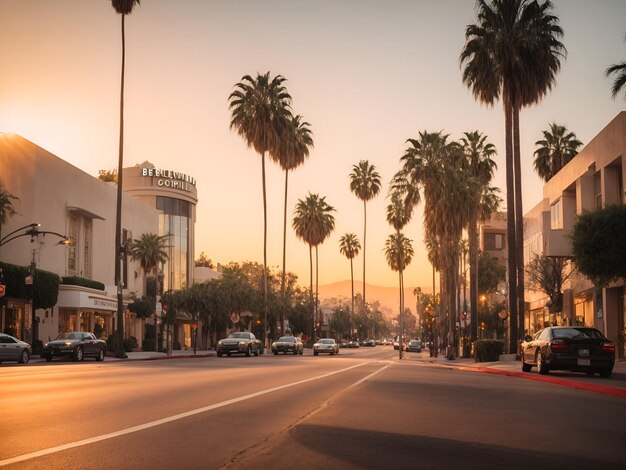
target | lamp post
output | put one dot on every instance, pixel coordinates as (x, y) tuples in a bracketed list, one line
[(32, 231)]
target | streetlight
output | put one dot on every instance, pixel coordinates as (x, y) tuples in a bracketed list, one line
[(32, 231)]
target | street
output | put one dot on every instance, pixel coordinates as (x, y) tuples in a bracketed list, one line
[(360, 409)]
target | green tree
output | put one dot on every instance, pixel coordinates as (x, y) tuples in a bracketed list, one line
[(619, 70), (260, 113), (513, 53), (294, 148), (365, 184), (150, 250), (204, 261), (349, 246), (123, 8), (108, 176), (547, 275), (313, 222), (478, 158), (490, 273), (554, 151), (597, 244), (6, 207)]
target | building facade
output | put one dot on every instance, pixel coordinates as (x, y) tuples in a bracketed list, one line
[(66, 201), (594, 179)]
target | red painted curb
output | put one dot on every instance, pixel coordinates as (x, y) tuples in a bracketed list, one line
[(587, 387)]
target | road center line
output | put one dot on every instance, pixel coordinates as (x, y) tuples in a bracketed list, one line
[(169, 419)]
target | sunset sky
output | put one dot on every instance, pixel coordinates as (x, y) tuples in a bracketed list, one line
[(366, 74)]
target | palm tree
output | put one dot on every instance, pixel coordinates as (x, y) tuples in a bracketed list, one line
[(620, 77), (6, 207), (313, 223), (513, 53), (292, 152), (151, 251), (260, 114), (349, 246), (123, 8), (365, 183), (478, 160), (398, 215), (554, 151)]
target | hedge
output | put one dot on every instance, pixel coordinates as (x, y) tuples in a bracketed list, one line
[(82, 282), (45, 285), (486, 350)]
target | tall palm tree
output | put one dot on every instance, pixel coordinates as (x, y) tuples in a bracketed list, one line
[(619, 70), (398, 216), (260, 114), (478, 160), (513, 53), (349, 246), (555, 150), (6, 207), (151, 251), (123, 8), (313, 222), (291, 153), (365, 183)]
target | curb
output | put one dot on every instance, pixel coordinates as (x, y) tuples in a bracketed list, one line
[(584, 386)]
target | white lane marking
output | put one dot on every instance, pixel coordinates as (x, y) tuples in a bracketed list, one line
[(169, 419), (358, 382)]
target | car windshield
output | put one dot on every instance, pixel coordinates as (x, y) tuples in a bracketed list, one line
[(578, 333), (240, 335), (414, 342), (68, 335), (287, 339), (326, 341)]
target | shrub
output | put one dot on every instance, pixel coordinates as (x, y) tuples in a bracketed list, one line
[(82, 282), (488, 350)]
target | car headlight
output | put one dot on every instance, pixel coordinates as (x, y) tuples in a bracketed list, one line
[(68, 343), (45, 345), (219, 343), (242, 343), (274, 344)]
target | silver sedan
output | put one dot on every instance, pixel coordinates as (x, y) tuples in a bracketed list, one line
[(13, 349), (326, 345)]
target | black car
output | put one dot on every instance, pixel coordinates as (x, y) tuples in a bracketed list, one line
[(240, 342), (369, 343), (75, 344), (573, 348), (288, 344)]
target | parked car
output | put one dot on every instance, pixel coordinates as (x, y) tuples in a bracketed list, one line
[(370, 343), (396, 345), (415, 345), (287, 344), (354, 344), (13, 349), (326, 345), (572, 348), (75, 344), (240, 342)]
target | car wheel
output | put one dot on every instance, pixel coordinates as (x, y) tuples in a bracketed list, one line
[(249, 351), (100, 356), (606, 373), (48, 358), (78, 355), (24, 357), (525, 367), (295, 351), (315, 353), (275, 353), (542, 367), (219, 354)]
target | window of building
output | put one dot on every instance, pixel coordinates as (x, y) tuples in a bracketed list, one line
[(175, 221), (556, 215), (79, 253), (494, 241)]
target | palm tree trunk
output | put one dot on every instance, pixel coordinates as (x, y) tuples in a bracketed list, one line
[(519, 228), (282, 283), (433, 325), (119, 346), (364, 237), (401, 317), (352, 283), (265, 305), (473, 269), (510, 227), (311, 292), (317, 286)]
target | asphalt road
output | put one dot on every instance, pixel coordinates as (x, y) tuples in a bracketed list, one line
[(361, 409)]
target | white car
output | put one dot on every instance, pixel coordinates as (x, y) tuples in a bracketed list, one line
[(326, 345)]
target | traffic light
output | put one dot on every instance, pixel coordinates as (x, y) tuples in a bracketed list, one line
[(482, 325)]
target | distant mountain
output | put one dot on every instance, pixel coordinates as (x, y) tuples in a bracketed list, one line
[(333, 294)]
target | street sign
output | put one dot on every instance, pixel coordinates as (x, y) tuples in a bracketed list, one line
[(159, 308), (28, 280), (503, 314), (2, 290)]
